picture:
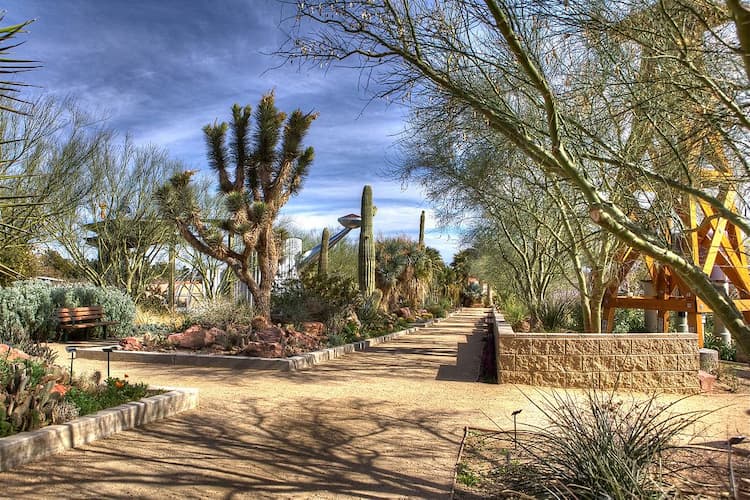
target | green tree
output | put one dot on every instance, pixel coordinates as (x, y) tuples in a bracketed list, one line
[(265, 174), (604, 105)]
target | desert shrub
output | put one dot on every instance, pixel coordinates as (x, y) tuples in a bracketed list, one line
[(220, 313), (727, 352), (329, 299), (513, 310), (602, 447), (557, 311), (629, 321), (27, 309)]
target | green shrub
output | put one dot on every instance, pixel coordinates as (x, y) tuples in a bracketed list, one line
[(601, 447), (514, 311), (329, 299), (629, 321), (726, 352), (113, 392)]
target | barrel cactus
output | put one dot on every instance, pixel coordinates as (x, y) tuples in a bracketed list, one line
[(366, 263)]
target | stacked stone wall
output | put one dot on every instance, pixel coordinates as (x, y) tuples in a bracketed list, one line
[(642, 362)]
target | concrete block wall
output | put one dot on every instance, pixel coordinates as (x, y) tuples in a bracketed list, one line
[(642, 362)]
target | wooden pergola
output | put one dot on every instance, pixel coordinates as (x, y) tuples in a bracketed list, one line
[(713, 242)]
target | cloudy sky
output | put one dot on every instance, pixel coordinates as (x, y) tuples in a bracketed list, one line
[(161, 70)]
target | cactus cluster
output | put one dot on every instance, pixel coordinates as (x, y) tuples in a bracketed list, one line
[(366, 262), (323, 255), (24, 404)]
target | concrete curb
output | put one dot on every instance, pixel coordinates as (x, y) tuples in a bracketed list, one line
[(27, 447), (301, 362)]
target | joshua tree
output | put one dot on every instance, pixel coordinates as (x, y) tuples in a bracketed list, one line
[(269, 166)]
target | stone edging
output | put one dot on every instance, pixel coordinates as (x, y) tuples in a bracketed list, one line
[(26, 447), (300, 362)]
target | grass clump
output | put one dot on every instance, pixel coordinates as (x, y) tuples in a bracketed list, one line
[(602, 447)]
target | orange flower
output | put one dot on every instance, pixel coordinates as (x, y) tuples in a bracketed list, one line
[(59, 388), (119, 384), (126, 375)]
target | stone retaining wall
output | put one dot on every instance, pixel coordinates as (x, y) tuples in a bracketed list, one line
[(643, 361)]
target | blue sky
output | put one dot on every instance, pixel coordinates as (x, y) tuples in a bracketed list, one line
[(161, 70)]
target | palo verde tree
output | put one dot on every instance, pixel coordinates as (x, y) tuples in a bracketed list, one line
[(587, 90), (258, 171)]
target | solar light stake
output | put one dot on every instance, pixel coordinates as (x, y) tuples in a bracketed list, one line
[(515, 427), (72, 351), (109, 350)]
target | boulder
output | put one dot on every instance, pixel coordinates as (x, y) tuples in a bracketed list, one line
[(217, 336), (195, 337), (264, 349), (270, 334), (10, 353), (404, 312), (706, 380), (259, 323), (314, 328), (131, 344)]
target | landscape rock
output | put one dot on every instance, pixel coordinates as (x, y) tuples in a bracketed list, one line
[(264, 349), (195, 337), (314, 328), (10, 353), (270, 334), (404, 312), (131, 344), (706, 380), (259, 323), (217, 336)]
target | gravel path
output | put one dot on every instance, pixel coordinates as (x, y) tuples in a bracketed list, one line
[(381, 423)]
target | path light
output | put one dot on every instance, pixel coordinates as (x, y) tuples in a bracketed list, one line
[(109, 350), (515, 428), (72, 350), (731, 442)]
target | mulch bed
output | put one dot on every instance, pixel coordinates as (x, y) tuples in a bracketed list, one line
[(490, 465)]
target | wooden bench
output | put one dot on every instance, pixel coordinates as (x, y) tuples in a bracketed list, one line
[(71, 319)]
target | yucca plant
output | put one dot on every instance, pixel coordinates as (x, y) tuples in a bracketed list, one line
[(602, 447)]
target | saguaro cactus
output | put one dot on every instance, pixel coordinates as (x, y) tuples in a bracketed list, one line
[(421, 230), (366, 264), (323, 255)]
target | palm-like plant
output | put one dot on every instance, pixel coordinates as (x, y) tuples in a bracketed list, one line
[(404, 271)]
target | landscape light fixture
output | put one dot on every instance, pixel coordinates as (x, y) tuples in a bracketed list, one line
[(109, 350), (72, 350), (515, 428)]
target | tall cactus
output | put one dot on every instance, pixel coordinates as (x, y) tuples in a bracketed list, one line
[(421, 230), (366, 263), (323, 255)]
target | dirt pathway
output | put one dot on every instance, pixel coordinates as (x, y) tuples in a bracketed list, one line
[(381, 423)]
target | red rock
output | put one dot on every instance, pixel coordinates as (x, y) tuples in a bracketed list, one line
[(10, 353), (264, 349), (259, 323), (404, 312), (314, 328), (270, 334), (706, 380), (216, 336), (195, 337), (131, 344)]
